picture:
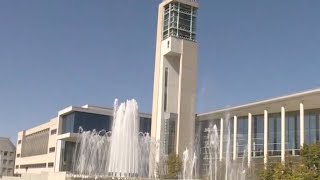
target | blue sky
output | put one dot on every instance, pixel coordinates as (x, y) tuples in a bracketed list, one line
[(59, 53)]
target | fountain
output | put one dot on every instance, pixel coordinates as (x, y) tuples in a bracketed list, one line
[(233, 169), (127, 153), (0, 164), (189, 164), (124, 153)]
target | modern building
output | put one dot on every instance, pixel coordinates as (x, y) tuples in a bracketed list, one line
[(257, 132), (268, 129), (175, 75), (7, 157), (49, 147)]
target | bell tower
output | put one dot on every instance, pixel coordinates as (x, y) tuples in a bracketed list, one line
[(175, 76)]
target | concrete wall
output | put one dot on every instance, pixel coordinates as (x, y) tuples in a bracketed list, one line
[(187, 95), (48, 157), (7, 157), (180, 57)]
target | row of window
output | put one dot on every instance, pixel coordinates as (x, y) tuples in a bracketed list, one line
[(7, 153), (8, 171), (51, 150), (6, 162), (39, 165), (292, 133), (54, 131), (35, 144)]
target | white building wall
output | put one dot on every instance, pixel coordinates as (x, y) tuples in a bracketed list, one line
[(33, 162)]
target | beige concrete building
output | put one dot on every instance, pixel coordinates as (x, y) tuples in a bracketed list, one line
[(49, 147), (7, 157), (36, 148), (175, 75)]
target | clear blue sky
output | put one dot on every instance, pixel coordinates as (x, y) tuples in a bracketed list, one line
[(59, 53)]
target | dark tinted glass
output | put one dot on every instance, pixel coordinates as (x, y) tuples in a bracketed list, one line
[(145, 125), (88, 121)]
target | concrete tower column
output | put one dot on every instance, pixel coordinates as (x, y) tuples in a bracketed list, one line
[(57, 162), (301, 124), (175, 77), (249, 138), (221, 139), (283, 134), (235, 132), (265, 137)]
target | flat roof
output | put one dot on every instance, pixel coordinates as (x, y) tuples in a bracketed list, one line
[(304, 96)]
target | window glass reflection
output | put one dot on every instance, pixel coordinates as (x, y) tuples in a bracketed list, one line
[(242, 136), (292, 133), (274, 135), (312, 126), (257, 135)]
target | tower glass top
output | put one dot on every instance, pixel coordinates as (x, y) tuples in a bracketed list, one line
[(179, 21)]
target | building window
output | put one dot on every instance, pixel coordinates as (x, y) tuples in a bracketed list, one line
[(179, 20), (26, 166), (166, 74), (274, 135), (242, 136), (66, 160), (5, 153), (17, 166), (292, 133), (203, 128), (30, 146), (4, 161), (52, 149), (312, 126), (11, 153), (50, 165), (257, 137), (10, 162), (18, 155), (54, 131), (19, 142), (145, 125), (88, 121)]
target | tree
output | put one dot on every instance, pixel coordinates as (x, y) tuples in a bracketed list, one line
[(174, 165), (305, 167), (310, 157)]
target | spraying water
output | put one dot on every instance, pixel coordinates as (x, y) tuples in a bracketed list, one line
[(0, 164), (124, 152), (234, 169), (189, 164)]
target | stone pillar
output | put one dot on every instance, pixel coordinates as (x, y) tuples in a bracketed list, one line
[(57, 163), (301, 125), (249, 138), (265, 137), (235, 128), (283, 134), (221, 139)]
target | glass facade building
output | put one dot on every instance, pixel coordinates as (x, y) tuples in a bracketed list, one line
[(179, 21), (71, 122), (88, 121), (280, 142)]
